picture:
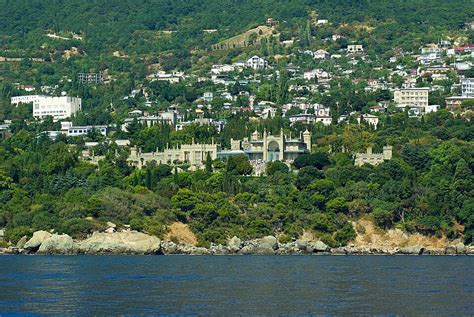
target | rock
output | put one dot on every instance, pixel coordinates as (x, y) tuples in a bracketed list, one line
[(302, 245), (317, 246), (450, 250), (289, 248), (2, 234), (414, 250), (460, 248), (57, 244), (169, 247), (110, 227), (266, 245), (218, 249), (199, 251), (21, 243), (339, 251), (247, 249), (470, 249), (234, 244), (34, 243), (120, 243), (434, 251), (12, 250)]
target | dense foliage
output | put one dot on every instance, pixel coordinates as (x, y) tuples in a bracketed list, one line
[(427, 187)]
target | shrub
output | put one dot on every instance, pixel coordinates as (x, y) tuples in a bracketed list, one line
[(346, 234), (78, 228), (383, 218), (284, 238), (15, 234)]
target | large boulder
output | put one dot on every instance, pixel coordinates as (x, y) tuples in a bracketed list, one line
[(169, 247), (35, 242), (234, 244), (57, 244), (126, 242), (458, 248), (317, 246), (21, 243), (413, 250), (2, 234), (266, 245)]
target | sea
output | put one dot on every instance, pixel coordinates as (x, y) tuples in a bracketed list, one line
[(237, 285)]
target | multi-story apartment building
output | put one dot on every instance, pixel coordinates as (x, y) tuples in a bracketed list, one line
[(411, 96), (24, 99), (57, 107), (467, 87), (91, 78)]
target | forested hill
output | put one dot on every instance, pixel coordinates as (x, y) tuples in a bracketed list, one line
[(118, 24)]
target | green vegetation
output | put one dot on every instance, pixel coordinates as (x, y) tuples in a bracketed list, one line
[(428, 185)]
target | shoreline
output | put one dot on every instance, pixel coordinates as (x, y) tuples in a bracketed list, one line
[(137, 243)]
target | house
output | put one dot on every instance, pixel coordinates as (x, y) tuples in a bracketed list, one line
[(306, 118), (27, 88), (208, 96), (322, 111), (373, 158), (455, 102), (256, 62), (219, 69), (292, 68), (5, 130), (355, 48), (174, 77), (70, 130), (321, 54), (431, 48), (370, 119), (325, 120), (377, 108), (431, 108)]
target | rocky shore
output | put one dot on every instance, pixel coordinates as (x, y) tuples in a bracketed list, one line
[(136, 243)]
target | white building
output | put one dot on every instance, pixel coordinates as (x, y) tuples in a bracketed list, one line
[(467, 87), (370, 119), (219, 69), (321, 54), (432, 108), (411, 96), (24, 99), (256, 62), (355, 48), (56, 107), (306, 118), (325, 120), (71, 130)]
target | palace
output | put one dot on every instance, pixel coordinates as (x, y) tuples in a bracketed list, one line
[(373, 158), (261, 147)]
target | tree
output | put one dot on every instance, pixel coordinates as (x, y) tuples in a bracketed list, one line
[(317, 159), (276, 167), (208, 163), (239, 165)]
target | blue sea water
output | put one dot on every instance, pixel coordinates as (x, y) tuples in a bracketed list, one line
[(237, 285)]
